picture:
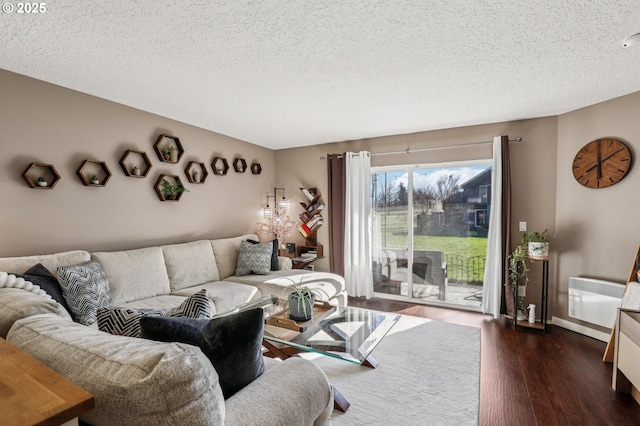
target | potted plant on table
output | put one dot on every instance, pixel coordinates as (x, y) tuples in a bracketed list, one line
[(299, 301), (537, 244)]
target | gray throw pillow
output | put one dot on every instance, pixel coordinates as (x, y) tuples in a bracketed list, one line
[(126, 321), (274, 253), (254, 258), (233, 343), (85, 287)]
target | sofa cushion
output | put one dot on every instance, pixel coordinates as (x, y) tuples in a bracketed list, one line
[(233, 343), (42, 277), (134, 274), (224, 294), (190, 264), (16, 304), (85, 287), (274, 253), (254, 258), (126, 321), (134, 381), (18, 265), (226, 253)]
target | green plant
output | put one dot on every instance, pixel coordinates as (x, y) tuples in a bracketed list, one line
[(535, 237), (301, 292), (94, 177), (166, 152), (518, 269), (41, 179), (172, 189)]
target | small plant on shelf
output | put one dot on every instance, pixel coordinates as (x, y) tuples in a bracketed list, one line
[(171, 190), (42, 181)]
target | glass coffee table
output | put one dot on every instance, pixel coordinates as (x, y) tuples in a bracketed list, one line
[(343, 332)]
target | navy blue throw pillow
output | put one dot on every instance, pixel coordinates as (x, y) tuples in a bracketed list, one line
[(233, 343), (40, 276)]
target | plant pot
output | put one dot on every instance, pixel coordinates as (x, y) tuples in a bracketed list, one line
[(301, 306), (42, 183), (538, 250)]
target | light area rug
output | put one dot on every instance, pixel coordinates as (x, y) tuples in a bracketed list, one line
[(428, 374)]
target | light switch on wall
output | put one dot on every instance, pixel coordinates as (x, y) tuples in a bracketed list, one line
[(523, 226)]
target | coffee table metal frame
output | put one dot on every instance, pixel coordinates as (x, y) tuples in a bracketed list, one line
[(343, 332)]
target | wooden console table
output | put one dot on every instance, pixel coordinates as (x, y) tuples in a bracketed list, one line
[(33, 394)]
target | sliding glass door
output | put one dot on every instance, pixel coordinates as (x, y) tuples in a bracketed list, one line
[(430, 225)]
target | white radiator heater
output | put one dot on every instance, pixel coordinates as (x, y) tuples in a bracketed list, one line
[(594, 301)]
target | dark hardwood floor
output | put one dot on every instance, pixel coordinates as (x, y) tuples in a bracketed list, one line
[(531, 378)]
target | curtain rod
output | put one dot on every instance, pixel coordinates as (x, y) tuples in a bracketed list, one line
[(434, 148)]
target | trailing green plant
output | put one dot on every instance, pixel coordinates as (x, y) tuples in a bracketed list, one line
[(518, 269)]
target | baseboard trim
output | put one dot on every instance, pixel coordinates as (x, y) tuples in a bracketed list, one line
[(598, 335)]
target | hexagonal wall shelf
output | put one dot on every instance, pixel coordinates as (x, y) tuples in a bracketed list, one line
[(41, 176), (171, 150), (86, 173), (256, 168), (171, 190), (239, 165), (196, 172), (220, 166), (139, 163)]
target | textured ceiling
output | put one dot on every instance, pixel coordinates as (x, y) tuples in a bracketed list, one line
[(285, 73)]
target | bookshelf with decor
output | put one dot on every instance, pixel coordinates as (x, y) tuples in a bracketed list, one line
[(311, 221)]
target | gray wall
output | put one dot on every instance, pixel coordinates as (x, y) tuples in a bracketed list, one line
[(41, 122)]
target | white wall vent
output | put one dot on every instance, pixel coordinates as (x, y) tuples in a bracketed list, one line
[(594, 301)]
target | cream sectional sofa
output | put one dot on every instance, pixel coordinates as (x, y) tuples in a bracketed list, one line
[(138, 381)]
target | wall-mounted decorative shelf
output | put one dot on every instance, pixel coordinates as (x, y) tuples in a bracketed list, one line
[(41, 176), (220, 166), (168, 148), (89, 168), (196, 172), (169, 187), (240, 165), (256, 168), (140, 165)]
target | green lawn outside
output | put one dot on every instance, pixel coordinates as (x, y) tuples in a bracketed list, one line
[(461, 253)]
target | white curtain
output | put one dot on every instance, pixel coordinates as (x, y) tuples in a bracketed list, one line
[(357, 229), (492, 287)]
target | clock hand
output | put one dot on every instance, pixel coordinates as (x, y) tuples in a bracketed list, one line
[(598, 173), (611, 155)]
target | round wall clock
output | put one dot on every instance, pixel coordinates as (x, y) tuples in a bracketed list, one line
[(602, 163)]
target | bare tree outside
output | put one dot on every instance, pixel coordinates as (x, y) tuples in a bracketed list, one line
[(447, 186)]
